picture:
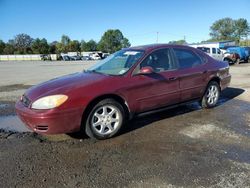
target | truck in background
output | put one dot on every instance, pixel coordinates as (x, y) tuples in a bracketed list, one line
[(216, 53)]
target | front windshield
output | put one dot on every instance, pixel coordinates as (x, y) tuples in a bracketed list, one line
[(118, 63)]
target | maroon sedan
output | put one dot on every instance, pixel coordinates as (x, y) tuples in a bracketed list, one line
[(129, 82)]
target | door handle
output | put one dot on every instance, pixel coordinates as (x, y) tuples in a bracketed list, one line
[(204, 72), (172, 78)]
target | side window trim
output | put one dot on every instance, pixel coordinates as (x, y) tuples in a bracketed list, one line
[(193, 52)]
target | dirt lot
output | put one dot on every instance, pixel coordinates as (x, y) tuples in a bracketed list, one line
[(182, 147)]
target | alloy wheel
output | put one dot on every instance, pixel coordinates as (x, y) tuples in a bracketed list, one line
[(212, 95), (106, 119)]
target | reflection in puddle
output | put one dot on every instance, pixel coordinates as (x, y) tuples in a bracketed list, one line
[(4, 106), (12, 123)]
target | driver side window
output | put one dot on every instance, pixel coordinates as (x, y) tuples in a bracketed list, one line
[(159, 60)]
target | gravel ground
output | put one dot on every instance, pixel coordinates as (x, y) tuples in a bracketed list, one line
[(182, 147)]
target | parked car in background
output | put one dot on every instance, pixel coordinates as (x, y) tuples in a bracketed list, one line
[(231, 58), (75, 58), (136, 80), (95, 56), (239, 50), (213, 52), (65, 58), (45, 57), (86, 58), (105, 55)]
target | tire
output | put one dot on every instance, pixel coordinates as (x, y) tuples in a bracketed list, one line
[(211, 96), (237, 62), (229, 61), (105, 119)]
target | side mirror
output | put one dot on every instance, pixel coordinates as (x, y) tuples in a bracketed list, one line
[(146, 70)]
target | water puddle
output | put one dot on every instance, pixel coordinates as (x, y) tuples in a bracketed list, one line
[(3, 106), (12, 123)]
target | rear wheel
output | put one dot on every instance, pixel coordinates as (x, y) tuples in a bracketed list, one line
[(237, 62), (105, 119), (230, 61), (211, 96)]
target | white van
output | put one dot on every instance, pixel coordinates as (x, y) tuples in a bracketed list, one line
[(216, 53)]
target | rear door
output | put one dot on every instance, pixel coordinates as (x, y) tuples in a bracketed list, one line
[(192, 73)]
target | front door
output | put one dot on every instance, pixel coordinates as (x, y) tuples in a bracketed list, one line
[(158, 89)]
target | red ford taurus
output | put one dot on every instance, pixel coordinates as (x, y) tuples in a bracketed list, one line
[(129, 82)]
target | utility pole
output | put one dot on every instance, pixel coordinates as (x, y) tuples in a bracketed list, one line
[(157, 35)]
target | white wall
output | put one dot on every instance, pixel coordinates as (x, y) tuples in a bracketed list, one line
[(20, 57)]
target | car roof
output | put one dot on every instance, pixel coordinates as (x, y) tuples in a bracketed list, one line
[(151, 47)]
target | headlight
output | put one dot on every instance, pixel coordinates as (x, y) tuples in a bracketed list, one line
[(49, 102)]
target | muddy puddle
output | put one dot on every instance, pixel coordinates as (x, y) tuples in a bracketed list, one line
[(13, 124)]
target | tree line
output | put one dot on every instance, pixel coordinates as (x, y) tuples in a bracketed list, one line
[(227, 29), (111, 41)]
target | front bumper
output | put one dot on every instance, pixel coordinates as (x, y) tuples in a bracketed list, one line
[(52, 121)]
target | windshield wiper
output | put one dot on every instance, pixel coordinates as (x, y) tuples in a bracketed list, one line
[(94, 71)]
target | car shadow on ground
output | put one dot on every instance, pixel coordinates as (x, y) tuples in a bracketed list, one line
[(139, 122)]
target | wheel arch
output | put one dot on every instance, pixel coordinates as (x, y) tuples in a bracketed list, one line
[(93, 102), (216, 79)]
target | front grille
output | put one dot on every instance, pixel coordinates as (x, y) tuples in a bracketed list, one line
[(26, 102), (42, 127)]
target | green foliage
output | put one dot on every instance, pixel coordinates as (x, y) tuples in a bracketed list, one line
[(52, 47), (2, 46), (229, 29), (22, 43), (9, 49), (65, 40), (40, 46), (179, 42), (113, 40), (62, 46), (242, 28), (88, 46), (244, 43), (73, 46)]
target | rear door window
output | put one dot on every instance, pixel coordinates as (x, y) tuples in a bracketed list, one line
[(187, 58)]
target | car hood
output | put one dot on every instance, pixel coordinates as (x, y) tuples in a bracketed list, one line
[(64, 84)]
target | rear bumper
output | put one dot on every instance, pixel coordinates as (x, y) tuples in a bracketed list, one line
[(53, 121)]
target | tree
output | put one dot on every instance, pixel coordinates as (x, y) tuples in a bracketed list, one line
[(180, 42), (52, 47), (9, 49), (113, 40), (229, 29), (40, 46), (242, 28), (62, 47), (88, 46), (65, 40), (23, 43), (2, 46), (73, 46)]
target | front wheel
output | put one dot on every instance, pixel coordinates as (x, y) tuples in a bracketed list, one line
[(211, 96), (105, 119)]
